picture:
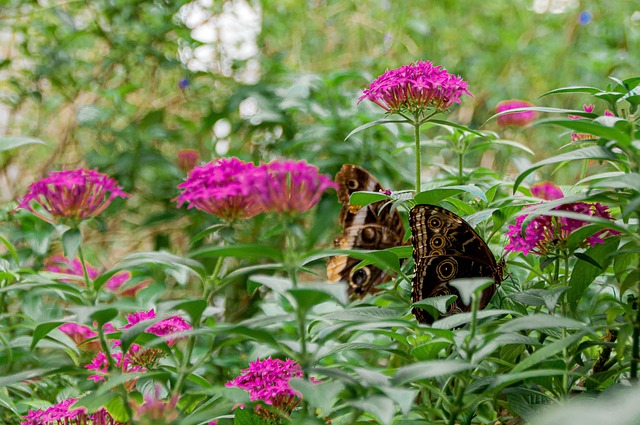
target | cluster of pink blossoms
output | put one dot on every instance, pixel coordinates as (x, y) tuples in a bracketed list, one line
[(62, 414), (268, 381), (231, 189), (515, 119), (585, 136), (138, 358), (415, 88), (72, 195), (62, 264), (545, 234)]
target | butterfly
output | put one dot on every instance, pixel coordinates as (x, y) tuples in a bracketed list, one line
[(445, 247), (374, 226)]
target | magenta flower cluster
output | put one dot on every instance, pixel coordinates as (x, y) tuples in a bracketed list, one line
[(415, 88), (137, 358), (515, 119), (72, 195), (545, 234), (63, 414), (231, 189), (268, 381)]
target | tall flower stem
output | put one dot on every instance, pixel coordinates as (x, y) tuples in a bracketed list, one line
[(635, 348), (213, 280), (93, 295), (416, 135)]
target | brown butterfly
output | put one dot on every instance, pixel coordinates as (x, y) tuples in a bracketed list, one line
[(371, 227), (445, 247)]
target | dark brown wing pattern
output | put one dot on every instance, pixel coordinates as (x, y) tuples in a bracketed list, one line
[(445, 247), (371, 227)]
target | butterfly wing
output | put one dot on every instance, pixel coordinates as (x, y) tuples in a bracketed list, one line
[(445, 247), (371, 227)]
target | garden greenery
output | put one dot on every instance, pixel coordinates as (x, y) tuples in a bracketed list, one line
[(147, 277)]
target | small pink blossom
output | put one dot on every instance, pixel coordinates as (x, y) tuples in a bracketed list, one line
[(221, 188), (72, 195), (289, 186), (516, 119), (415, 88)]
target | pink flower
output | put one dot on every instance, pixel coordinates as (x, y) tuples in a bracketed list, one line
[(221, 188), (61, 264), (165, 327), (154, 410), (62, 413), (72, 195), (289, 186), (585, 136), (516, 119), (79, 334), (415, 88), (545, 234), (547, 191), (187, 159), (268, 381)]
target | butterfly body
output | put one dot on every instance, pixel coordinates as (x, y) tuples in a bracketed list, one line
[(374, 226), (445, 247)]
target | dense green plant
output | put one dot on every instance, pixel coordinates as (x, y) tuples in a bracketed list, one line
[(107, 90)]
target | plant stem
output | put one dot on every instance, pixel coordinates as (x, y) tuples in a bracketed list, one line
[(212, 282), (416, 135), (635, 348), (184, 367), (93, 294)]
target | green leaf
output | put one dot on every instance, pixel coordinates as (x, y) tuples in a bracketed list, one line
[(322, 396), (307, 298), (7, 403), (118, 409), (429, 369), (104, 315), (250, 251), (590, 152), (358, 314), (596, 128), (573, 89), (434, 196), (540, 297), (43, 330), (12, 142), (404, 398), (462, 128), (248, 417), (178, 267), (539, 321), (364, 198), (548, 351), (378, 406), (10, 248), (194, 308), (71, 240), (460, 319), (436, 305), (468, 286), (279, 285), (373, 123), (501, 381), (585, 272)]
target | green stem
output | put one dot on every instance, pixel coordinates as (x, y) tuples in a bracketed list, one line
[(460, 167), (93, 294), (416, 135), (213, 280), (184, 369), (635, 348)]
